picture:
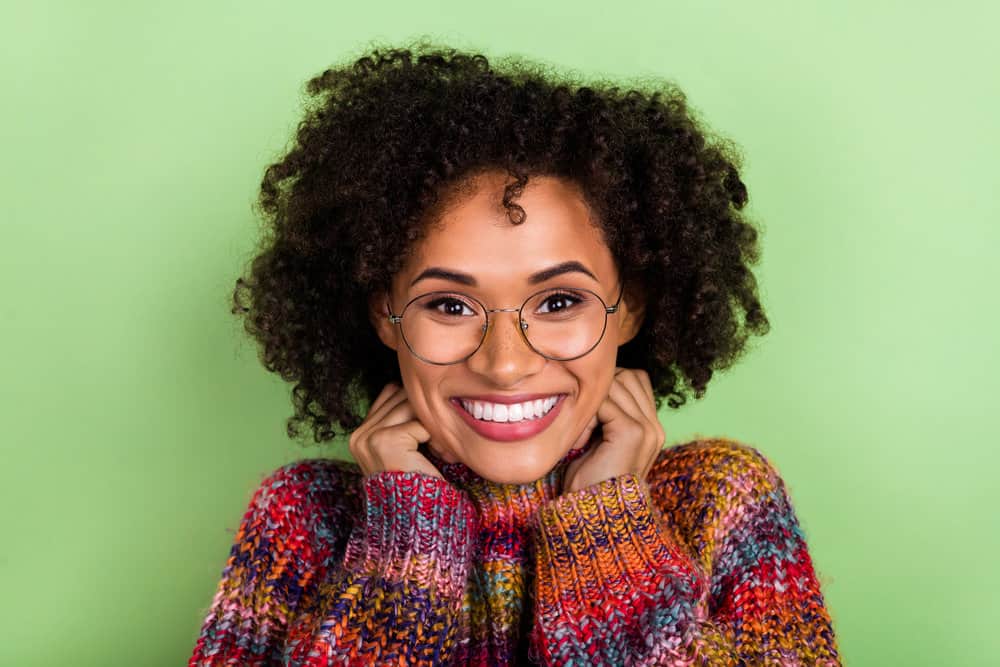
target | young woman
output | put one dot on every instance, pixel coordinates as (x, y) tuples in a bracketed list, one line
[(491, 279)]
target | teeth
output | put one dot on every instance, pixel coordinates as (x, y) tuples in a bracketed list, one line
[(514, 412)]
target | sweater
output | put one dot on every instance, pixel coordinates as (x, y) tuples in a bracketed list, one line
[(703, 562)]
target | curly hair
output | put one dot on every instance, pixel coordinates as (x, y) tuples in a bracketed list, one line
[(385, 139)]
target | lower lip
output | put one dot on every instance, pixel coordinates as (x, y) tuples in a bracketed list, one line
[(507, 431)]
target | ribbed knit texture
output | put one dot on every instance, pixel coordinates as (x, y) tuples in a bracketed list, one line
[(702, 563)]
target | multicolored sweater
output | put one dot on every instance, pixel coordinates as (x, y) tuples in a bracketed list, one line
[(701, 563)]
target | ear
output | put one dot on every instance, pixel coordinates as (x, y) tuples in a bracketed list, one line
[(633, 313), (378, 315)]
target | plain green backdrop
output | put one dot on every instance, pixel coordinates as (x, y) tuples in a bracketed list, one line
[(137, 420)]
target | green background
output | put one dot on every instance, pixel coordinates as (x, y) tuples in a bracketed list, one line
[(137, 421)]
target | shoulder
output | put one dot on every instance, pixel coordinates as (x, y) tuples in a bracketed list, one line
[(706, 487), (313, 478), (309, 501), (294, 530), (739, 468)]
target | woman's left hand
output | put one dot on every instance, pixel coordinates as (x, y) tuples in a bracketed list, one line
[(632, 435)]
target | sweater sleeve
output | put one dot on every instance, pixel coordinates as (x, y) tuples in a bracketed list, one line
[(282, 548), (393, 597), (615, 585), (397, 599)]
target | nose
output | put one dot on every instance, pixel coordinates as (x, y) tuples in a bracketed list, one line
[(505, 357)]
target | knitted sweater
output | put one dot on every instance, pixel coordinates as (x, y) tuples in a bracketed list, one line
[(702, 563)]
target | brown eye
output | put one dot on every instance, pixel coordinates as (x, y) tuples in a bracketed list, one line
[(558, 303), (450, 307)]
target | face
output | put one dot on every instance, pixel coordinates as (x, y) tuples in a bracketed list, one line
[(475, 238)]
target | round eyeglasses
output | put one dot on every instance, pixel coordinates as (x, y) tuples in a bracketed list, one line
[(559, 323)]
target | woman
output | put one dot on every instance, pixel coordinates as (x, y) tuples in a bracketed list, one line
[(491, 279)]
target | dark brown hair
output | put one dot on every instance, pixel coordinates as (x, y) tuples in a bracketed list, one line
[(384, 139)]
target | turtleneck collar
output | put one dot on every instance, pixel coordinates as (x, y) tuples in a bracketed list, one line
[(483, 491), (504, 509)]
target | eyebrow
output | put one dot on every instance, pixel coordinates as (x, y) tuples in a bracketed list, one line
[(571, 266)]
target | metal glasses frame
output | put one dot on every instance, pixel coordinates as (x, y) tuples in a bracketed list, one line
[(608, 310)]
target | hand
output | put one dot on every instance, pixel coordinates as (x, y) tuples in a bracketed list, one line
[(631, 434), (389, 436)]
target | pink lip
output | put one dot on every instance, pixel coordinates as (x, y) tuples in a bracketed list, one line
[(505, 431)]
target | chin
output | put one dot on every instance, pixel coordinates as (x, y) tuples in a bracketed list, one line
[(509, 478), (502, 471)]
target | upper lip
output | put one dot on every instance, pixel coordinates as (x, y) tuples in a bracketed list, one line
[(514, 398)]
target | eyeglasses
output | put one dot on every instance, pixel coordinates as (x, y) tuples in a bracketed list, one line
[(559, 323)]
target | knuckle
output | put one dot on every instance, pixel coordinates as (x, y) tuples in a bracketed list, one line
[(377, 441), (381, 442)]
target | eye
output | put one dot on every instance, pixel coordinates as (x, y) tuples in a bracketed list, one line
[(450, 306), (558, 302)]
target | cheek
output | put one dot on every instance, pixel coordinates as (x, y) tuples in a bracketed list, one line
[(601, 362), (595, 373), (421, 383)]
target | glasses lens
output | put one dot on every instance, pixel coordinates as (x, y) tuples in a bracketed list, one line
[(564, 323), (443, 327), (446, 327)]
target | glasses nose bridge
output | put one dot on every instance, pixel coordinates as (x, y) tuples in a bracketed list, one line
[(522, 325), (506, 310)]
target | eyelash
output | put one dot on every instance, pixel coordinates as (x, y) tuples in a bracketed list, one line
[(576, 299), (561, 294)]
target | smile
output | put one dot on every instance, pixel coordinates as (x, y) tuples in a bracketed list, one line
[(509, 412), (509, 421)]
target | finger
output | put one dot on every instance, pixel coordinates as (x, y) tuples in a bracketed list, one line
[(621, 418), (394, 395), (654, 453), (569, 477), (624, 394), (397, 447), (651, 436), (404, 453), (359, 451), (638, 383), (396, 411), (377, 414), (652, 461), (661, 433), (394, 441), (647, 383), (641, 392), (647, 387), (582, 439), (387, 391)]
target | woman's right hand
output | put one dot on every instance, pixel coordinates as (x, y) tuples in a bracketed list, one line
[(389, 436)]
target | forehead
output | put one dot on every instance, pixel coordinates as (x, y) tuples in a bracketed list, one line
[(473, 235)]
